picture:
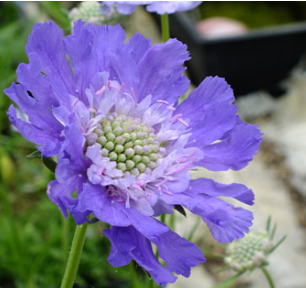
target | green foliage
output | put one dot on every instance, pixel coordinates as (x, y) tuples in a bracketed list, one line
[(57, 13)]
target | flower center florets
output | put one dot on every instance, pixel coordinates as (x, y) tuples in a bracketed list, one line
[(128, 142), (249, 252)]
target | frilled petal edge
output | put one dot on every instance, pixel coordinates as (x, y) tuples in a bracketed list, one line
[(138, 248), (225, 221), (233, 152)]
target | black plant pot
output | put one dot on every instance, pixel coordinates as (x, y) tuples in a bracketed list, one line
[(258, 60)]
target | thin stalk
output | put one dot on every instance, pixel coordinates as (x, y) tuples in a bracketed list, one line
[(65, 239), (194, 228), (163, 218), (165, 27), (151, 284), (230, 280), (74, 256), (268, 276), (172, 221), (136, 282)]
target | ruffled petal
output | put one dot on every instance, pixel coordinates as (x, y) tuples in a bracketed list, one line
[(235, 151), (212, 188), (169, 7), (209, 111), (47, 144), (60, 194), (107, 39), (104, 207), (137, 46), (179, 254), (39, 114), (125, 8), (46, 40), (31, 77), (82, 54), (161, 71), (212, 90), (72, 163), (225, 221), (129, 77), (138, 248)]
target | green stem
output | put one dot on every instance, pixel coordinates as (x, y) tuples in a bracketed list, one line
[(268, 276), (172, 221), (165, 27), (151, 284), (74, 256), (229, 282), (65, 239), (163, 218), (133, 275)]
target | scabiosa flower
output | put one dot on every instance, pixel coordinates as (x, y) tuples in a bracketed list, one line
[(109, 111), (160, 7)]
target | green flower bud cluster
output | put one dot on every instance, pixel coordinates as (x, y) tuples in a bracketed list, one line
[(88, 11), (129, 142), (249, 252)]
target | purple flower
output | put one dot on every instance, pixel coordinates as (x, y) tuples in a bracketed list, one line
[(109, 111), (160, 7)]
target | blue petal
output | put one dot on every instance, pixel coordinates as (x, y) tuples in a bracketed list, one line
[(138, 248), (104, 207), (169, 7), (107, 39), (30, 76), (137, 46), (209, 111), (71, 160), (225, 221), (46, 40), (235, 151), (47, 144), (161, 72), (61, 195), (39, 114), (214, 189), (81, 52), (179, 254)]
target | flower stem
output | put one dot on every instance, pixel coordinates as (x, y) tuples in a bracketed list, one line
[(165, 27), (65, 239), (268, 276), (74, 256), (172, 221)]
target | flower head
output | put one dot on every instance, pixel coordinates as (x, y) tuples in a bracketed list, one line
[(88, 11), (160, 7), (93, 12), (253, 250), (109, 111)]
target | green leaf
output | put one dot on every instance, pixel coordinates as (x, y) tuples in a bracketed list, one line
[(273, 231), (278, 243), (268, 225), (194, 228), (49, 163), (35, 154), (230, 282), (56, 11)]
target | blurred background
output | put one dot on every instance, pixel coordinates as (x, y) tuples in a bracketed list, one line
[(259, 47)]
